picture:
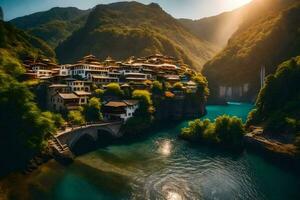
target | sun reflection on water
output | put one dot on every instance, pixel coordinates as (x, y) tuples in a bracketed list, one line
[(165, 147), (173, 196)]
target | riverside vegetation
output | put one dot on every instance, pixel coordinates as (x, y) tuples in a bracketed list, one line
[(277, 106), (276, 111), (225, 130)]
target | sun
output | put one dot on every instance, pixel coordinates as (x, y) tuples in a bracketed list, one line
[(238, 3)]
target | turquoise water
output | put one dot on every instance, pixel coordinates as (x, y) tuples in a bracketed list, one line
[(163, 167)]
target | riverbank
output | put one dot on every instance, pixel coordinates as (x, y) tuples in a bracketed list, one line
[(280, 150), (156, 166)]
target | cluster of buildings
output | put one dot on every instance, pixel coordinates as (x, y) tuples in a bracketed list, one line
[(69, 86)]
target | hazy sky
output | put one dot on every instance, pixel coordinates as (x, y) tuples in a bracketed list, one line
[(193, 9)]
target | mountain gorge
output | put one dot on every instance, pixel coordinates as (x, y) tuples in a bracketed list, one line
[(268, 35), (217, 29)]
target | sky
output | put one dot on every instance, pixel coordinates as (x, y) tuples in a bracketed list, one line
[(192, 9)]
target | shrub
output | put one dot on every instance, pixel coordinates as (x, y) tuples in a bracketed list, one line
[(98, 93), (92, 110), (76, 118), (157, 88), (113, 89), (178, 86), (226, 130), (229, 130), (145, 102)]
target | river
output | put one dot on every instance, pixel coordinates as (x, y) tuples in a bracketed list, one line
[(160, 167)]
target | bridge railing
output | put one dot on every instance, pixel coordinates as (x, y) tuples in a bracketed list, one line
[(87, 124)]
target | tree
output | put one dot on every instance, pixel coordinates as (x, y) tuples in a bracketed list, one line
[(157, 88), (277, 107), (76, 118), (145, 101), (57, 120), (202, 85), (113, 89), (178, 86), (23, 128), (98, 93), (230, 130), (92, 110)]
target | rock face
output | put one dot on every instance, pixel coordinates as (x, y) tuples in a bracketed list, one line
[(231, 93), (271, 147), (179, 108)]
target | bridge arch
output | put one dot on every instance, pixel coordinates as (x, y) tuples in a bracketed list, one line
[(95, 134)]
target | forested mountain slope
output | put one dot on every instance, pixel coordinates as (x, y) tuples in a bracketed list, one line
[(54, 25), (124, 29), (265, 39)]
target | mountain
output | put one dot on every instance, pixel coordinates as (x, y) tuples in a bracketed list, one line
[(1, 14), (268, 35), (54, 25), (20, 44), (124, 29), (217, 29)]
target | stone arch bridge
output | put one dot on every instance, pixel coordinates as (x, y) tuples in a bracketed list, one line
[(64, 141)]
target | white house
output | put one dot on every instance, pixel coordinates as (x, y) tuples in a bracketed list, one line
[(120, 110), (75, 85), (64, 70)]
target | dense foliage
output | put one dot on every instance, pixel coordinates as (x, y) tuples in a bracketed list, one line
[(92, 110), (113, 90), (76, 118), (142, 118), (267, 37), (20, 44), (124, 29), (278, 103), (226, 130), (23, 127)]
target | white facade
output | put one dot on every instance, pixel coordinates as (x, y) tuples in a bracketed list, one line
[(121, 110), (64, 70), (129, 112), (43, 73)]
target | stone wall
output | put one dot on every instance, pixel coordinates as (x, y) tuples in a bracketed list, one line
[(179, 108)]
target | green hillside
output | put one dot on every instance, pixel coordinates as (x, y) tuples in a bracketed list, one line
[(54, 25), (124, 29), (278, 104), (16, 44), (23, 126), (265, 39)]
